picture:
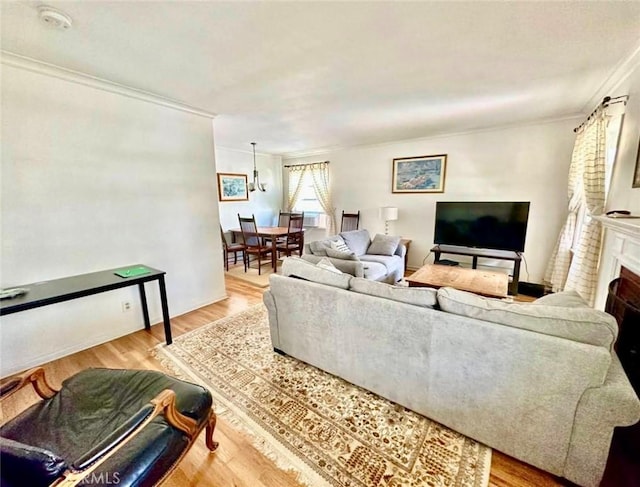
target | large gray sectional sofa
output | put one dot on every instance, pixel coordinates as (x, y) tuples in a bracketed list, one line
[(378, 260), (539, 382)]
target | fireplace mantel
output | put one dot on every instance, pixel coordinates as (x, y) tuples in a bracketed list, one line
[(620, 248)]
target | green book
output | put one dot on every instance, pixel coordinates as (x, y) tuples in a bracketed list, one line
[(139, 270)]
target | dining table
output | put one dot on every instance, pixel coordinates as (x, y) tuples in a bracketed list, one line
[(273, 233)]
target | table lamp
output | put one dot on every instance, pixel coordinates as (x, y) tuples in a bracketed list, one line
[(388, 213)]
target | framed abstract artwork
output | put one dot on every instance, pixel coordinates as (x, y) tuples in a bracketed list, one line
[(636, 174), (232, 187), (422, 174)]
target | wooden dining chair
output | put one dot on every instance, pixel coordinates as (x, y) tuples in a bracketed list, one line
[(227, 248), (252, 241), (349, 221), (283, 218), (294, 240), (283, 221)]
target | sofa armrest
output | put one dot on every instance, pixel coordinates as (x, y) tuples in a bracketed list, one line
[(353, 267), (600, 410), (307, 249), (401, 251)]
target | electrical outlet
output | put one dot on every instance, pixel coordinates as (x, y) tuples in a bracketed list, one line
[(126, 306)]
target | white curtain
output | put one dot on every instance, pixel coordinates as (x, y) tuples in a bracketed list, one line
[(558, 268), (320, 174), (586, 187), (583, 272), (296, 178)]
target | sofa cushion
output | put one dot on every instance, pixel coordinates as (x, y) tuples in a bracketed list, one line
[(357, 240), (569, 299), (337, 254), (419, 296), (297, 267), (383, 245), (328, 265), (391, 262), (585, 325)]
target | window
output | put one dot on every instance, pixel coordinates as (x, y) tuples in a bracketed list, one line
[(308, 203), (307, 200), (308, 190)]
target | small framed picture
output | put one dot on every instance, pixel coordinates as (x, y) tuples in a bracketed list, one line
[(232, 187), (422, 174), (636, 175)]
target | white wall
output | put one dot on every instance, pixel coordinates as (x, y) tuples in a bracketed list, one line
[(525, 163), (621, 194), (93, 180), (264, 205)]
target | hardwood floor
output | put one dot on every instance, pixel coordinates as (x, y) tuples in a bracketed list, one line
[(236, 463)]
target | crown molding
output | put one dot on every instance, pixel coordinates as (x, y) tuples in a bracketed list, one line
[(618, 75), (288, 156), (36, 66)]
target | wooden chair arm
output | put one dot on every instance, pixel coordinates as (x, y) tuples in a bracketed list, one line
[(33, 376), (163, 403)]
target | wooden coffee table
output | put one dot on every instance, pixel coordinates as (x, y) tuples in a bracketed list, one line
[(486, 283)]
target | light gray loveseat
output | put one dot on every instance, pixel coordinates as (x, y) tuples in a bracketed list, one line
[(539, 382), (379, 260)]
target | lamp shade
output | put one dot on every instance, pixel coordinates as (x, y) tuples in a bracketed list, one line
[(388, 213)]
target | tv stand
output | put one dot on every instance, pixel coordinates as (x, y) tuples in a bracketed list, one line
[(485, 254)]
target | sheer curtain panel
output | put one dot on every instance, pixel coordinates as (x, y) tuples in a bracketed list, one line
[(320, 174), (583, 271), (586, 187), (296, 179)]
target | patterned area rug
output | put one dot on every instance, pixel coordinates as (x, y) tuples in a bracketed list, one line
[(329, 432)]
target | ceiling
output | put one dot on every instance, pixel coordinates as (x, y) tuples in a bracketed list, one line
[(299, 77)]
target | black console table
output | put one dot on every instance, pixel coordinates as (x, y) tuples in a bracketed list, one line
[(68, 288), (485, 254)]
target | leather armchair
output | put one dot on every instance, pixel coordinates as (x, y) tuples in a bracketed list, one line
[(103, 427)]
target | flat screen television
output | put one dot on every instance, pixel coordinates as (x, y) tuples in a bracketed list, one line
[(500, 225)]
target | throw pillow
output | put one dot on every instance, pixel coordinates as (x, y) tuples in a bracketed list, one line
[(337, 254), (297, 267), (383, 245), (584, 325), (326, 264), (319, 247), (340, 246), (357, 240), (419, 296)]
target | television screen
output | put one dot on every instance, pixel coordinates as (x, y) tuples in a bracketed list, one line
[(489, 225)]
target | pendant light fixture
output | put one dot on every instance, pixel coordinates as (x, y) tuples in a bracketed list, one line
[(256, 178)]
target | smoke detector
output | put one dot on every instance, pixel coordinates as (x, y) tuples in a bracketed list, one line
[(54, 17)]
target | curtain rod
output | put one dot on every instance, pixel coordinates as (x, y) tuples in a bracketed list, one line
[(306, 164), (606, 101)]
